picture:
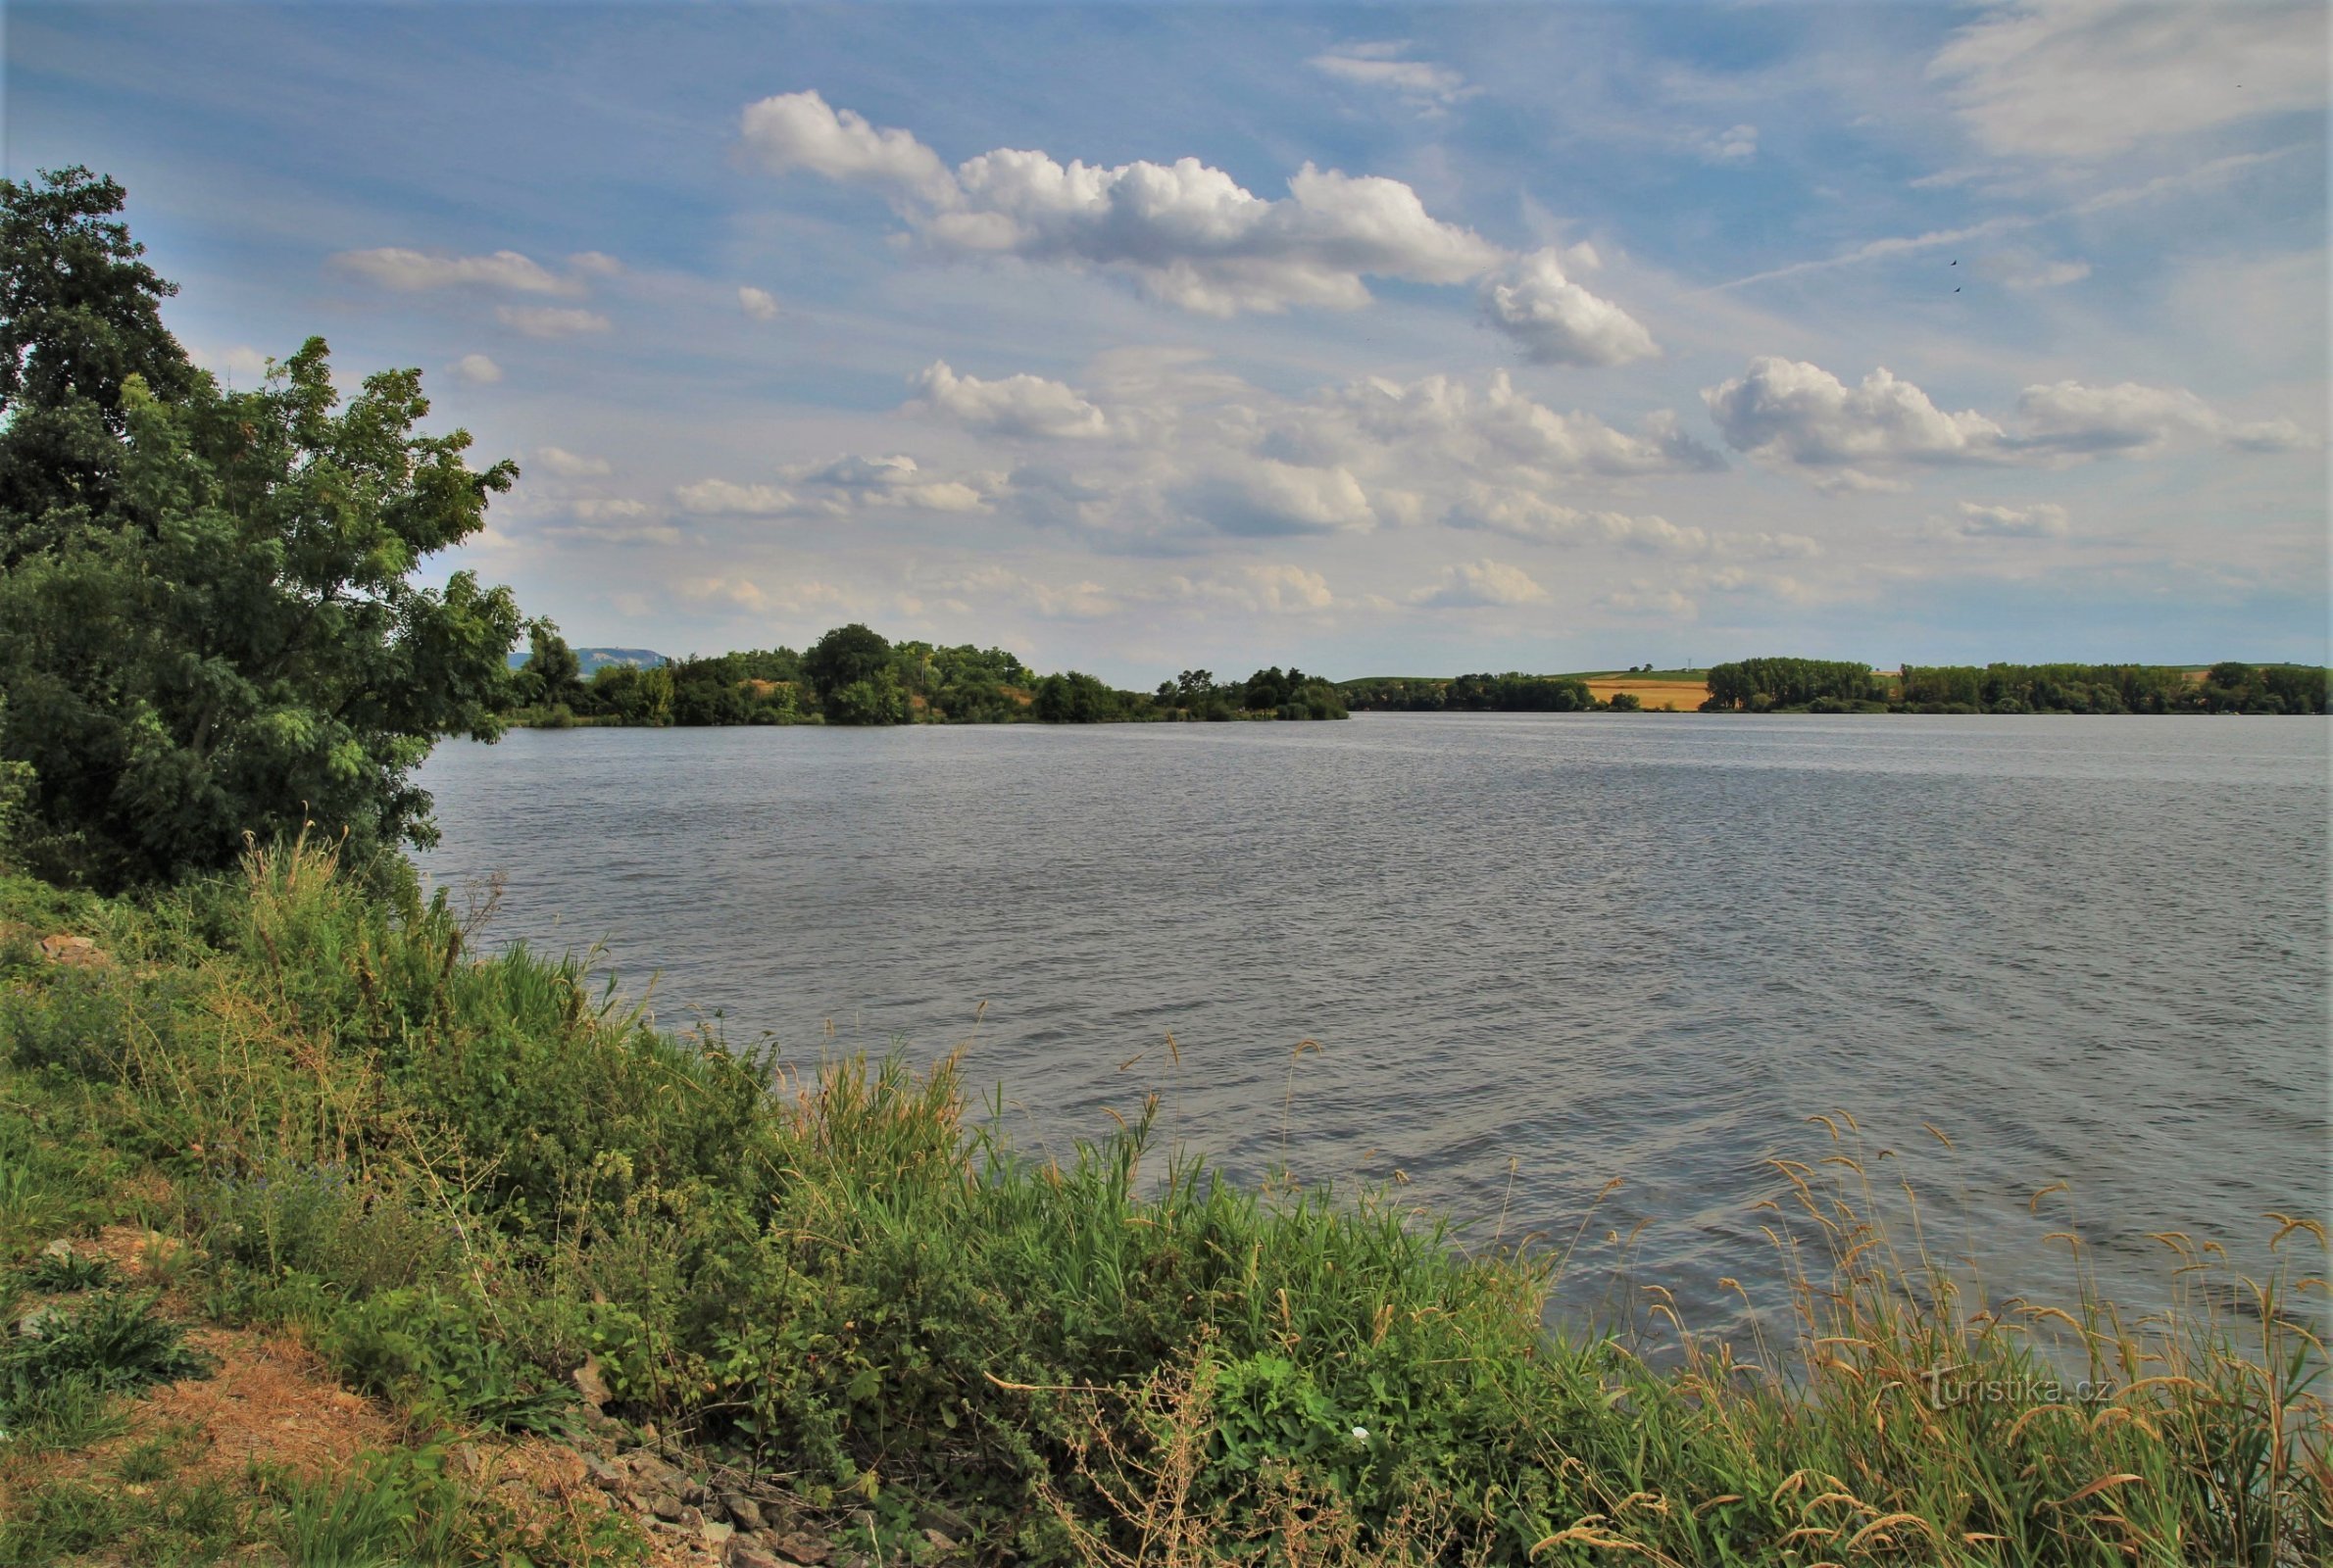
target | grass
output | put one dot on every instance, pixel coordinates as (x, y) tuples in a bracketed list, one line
[(460, 1177)]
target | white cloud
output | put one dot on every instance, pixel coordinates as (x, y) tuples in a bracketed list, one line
[(1429, 88), (565, 465), (760, 304), (597, 262), (1787, 411), (1288, 590), (1737, 145), (604, 509), (241, 365), (2070, 417), (1444, 421), (797, 131), (2044, 520), (1187, 233), (549, 321), (1642, 598), (1474, 584), (840, 486), (395, 268), (1523, 514), (2083, 78), (721, 498), (1260, 496), (1789, 414), (478, 370), (1555, 320), (1016, 405)]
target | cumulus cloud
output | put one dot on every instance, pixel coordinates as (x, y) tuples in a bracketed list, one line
[(1260, 496), (1476, 584), (840, 486), (721, 498), (1016, 405), (565, 465), (2085, 78), (1555, 320), (1789, 414), (549, 321), (1429, 88), (1525, 515), (757, 302), (1187, 233), (1789, 411), (1642, 598), (476, 370), (1448, 420), (2044, 520), (798, 130), (604, 508), (2070, 417), (1287, 590)]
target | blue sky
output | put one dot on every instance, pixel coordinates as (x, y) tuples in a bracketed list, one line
[(1373, 339)]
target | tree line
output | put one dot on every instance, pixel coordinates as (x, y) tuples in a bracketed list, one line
[(1510, 692), (1826, 686), (855, 676)]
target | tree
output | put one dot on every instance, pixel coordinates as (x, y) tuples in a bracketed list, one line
[(552, 673), (209, 623), (847, 657)]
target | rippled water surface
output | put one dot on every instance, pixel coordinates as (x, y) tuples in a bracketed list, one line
[(1538, 951)]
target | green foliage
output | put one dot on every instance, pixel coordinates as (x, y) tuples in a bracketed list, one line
[(62, 1273), (208, 620), (373, 1514), (1510, 692), (1756, 685), (110, 1344)]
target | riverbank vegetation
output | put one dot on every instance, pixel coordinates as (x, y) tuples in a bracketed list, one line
[(854, 675), (475, 1186), (1825, 686)]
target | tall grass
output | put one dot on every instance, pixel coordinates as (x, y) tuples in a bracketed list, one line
[(468, 1175)]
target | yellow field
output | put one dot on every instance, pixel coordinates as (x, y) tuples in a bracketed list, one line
[(1682, 694)]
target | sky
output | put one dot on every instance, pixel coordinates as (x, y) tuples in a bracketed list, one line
[(1377, 340)]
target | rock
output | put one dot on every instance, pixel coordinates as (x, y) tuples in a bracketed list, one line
[(667, 1507), (743, 1553), (607, 1477), (590, 1384), (654, 1475), (744, 1511), (690, 1520), (61, 1249), (940, 1542), (61, 949), (802, 1548), (41, 1322), (716, 1533)]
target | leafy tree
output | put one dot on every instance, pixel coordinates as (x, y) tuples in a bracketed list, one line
[(552, 673), (847, 657), (208, 620)]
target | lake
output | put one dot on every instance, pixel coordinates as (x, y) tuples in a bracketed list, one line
[(1537, 951)]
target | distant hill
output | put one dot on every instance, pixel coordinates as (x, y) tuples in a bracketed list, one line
[(595, 660)]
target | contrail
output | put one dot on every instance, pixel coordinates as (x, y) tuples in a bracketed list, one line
[(1906, 244)]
